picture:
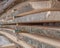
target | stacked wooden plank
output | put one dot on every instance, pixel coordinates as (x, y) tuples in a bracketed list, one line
[(34, 36)]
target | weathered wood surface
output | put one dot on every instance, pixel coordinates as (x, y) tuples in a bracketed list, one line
[(53, 32), (40, 39), (37, 18), (46, 40), (8, 46), (25, 5), (45, 31), (38, 11), (14, 39), (20, 8)]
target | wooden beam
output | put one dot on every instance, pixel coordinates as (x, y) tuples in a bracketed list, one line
[(42, 27), (8, 46), (8, 28), (53, 42), (33, 22), (37, 11)]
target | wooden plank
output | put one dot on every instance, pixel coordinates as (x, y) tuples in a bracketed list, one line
[(53, 42), (41, 27), (14, 39), (37, 11), (8, 46), (33, 22), (7, 28)]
